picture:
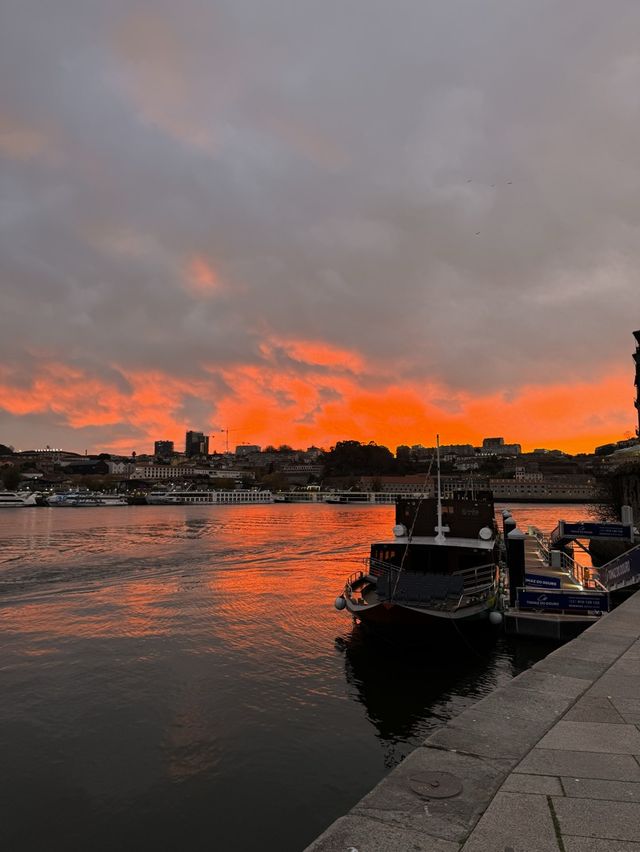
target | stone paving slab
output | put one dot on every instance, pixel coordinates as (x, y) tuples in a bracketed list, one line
[(634, 652), (597, 708), (370, 835), (595, 645), (590, 788), (624, 667), (581, 764), (580, 668), (551, 683), (588, 844), (617, 686), (515, 821), (486, 734), (395, 802), (628, 708), (537, 706), (546, 785), (593, 737), (593, 818)]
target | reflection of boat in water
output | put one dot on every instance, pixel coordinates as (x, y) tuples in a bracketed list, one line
[(408, 689), (17, 499), (441, 566)]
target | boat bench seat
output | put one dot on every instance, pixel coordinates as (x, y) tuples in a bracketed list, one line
[(420, 588)]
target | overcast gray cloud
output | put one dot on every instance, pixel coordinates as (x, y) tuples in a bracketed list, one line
[(447, 189)]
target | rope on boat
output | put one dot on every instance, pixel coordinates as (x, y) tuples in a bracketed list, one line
[(410, 533)]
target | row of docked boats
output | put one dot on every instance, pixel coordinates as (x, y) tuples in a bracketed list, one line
[(171, 497), (20, 499)]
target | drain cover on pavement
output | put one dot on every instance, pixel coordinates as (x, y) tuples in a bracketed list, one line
[(435, 785)]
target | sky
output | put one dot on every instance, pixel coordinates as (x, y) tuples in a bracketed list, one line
[(315, 221)]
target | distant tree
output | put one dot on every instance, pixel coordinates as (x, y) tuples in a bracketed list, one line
[(10, 477), (275, 482), (447, 468), (350, 458), (620, 488), (5, 450), (491, 466), (605, 450), (96, 481)]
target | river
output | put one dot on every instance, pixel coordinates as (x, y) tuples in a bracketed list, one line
[(176, 677)]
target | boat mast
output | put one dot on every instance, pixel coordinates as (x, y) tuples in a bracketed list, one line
[(440, 530)]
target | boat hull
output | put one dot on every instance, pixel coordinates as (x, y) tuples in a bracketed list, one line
[(394, 615)]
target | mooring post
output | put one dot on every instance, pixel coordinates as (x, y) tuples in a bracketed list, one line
[(508, 524), (515, 562)]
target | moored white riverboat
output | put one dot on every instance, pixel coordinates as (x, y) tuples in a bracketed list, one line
[(17, 499), (73, 499), (189, 496)]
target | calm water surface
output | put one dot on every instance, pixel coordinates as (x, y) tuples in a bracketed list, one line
[(176, 678)]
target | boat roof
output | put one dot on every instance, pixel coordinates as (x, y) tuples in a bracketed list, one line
[(450, 541)]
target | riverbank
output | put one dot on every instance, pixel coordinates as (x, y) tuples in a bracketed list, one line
[(548, 762)]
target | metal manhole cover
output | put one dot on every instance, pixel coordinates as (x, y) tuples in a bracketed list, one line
[(435, 785)]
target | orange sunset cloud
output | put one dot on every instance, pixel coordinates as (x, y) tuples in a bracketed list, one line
[(323, 395), (201, 278)]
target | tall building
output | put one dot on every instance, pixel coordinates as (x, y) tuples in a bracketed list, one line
[(492, 443), (196, 444), (636, 358), (163, 449), (497, 447)]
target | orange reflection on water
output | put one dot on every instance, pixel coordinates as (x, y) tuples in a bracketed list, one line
[(129, 608)]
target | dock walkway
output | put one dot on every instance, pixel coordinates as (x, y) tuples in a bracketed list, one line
[(548, 763), (534, 563)]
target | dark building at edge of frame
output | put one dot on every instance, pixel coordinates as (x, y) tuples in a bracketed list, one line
[(636, 358)]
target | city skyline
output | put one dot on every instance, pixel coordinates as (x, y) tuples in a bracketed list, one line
[(166, 449), (366, 222)]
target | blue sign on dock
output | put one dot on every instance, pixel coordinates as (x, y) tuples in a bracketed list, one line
[(554, 601), (541, 581), (621, 572), (592, 530)]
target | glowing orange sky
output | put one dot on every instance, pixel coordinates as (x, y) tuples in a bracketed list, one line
[(223, 215), (321, 395)]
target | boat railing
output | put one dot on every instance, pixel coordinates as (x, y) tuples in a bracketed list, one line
[(477, 579), (352, 579), (378, 568), (542, 540)]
